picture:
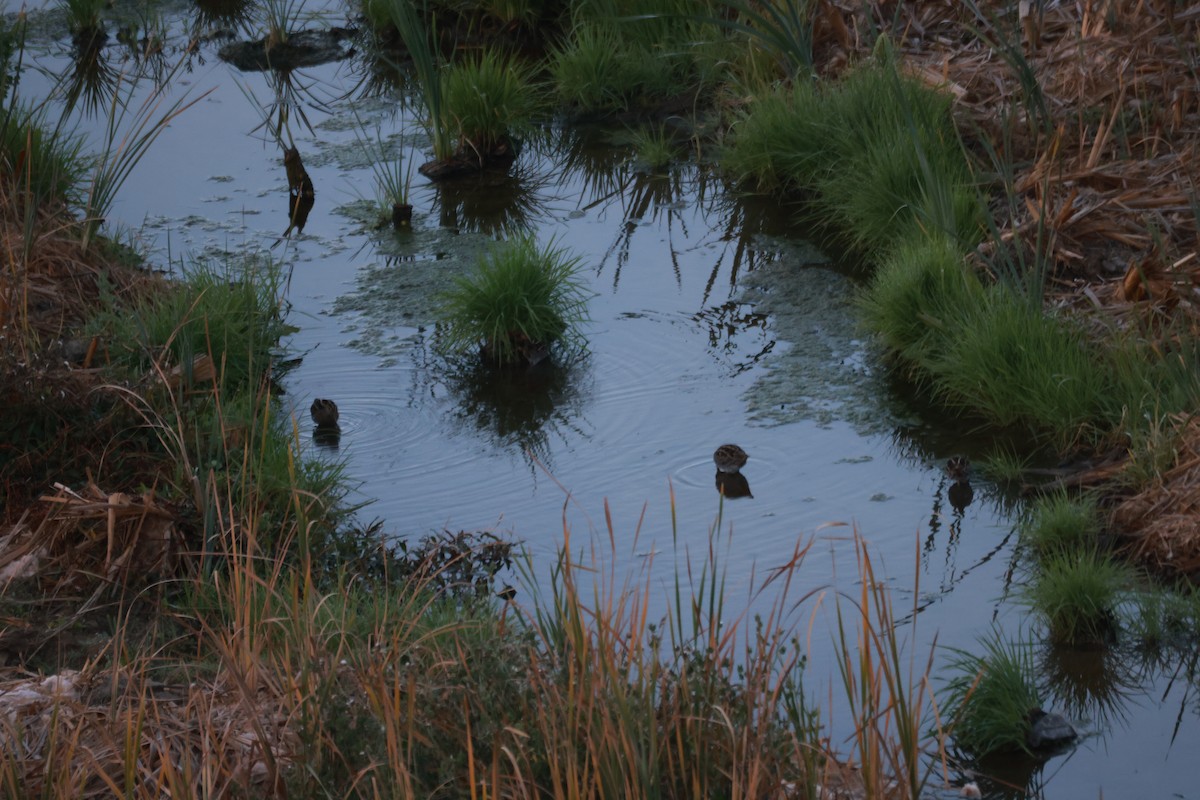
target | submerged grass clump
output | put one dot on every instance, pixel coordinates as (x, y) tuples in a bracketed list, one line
[(489, 102), (989, 698), (1059, 523), (521, 300), (1077, 594)]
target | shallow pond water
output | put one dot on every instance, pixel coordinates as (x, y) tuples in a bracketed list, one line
[(711, 321)]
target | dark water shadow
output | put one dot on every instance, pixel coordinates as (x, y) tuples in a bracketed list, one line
[(733, 485), (327, 437), (1006, 776), (494, 202), (520, 407), (225, 14), (1094, 683), (92, 82)]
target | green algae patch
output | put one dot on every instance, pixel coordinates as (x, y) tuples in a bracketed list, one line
[(395, 297), (824, 374)]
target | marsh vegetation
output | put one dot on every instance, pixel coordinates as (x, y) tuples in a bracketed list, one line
[(191, 601)]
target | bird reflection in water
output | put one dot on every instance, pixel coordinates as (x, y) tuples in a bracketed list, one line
[(733, 485)]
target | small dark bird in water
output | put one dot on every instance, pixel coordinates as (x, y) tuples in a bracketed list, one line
[(730, 458), (324, 413), (958, 469)]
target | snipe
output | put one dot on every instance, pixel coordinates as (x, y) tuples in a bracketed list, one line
[(958, 469), (730, 458), (324, 413)]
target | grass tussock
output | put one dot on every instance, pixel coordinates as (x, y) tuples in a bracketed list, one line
[(522, 300), (1019, 365), (1077, 594), (621, 56), (1059, 523), (878, 151), (989, 696), (490, 102)]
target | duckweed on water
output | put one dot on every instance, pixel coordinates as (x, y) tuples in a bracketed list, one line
[(822, 374)]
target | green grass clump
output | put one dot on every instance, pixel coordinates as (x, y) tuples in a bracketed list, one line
[(655, 147), (1061, 524), (489, 101), (890, 187), (1018, 366), (783, 140), (597, 71), (231, 313), (520, 296), (917, 296), (898, 161), (1077, 595), (782, 29), (878, 150), (989, 699), (621, 54), (43, 163)]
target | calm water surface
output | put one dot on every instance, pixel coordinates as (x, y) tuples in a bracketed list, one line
[(711, 321)]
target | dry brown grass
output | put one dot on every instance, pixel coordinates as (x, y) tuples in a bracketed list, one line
[(1110, 173), (48, 285), (121, 734), (47, 289), (1161, 524)]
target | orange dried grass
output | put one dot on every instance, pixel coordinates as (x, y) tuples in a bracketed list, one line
[(87, 735), (47, 286)]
